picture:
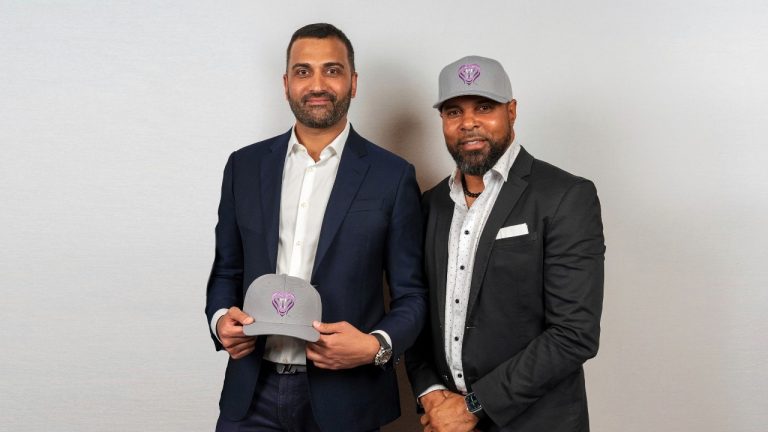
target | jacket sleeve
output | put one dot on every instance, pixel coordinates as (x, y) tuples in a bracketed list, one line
[(403, 266), (573, 293), (419, 360), (420, 365), (225, 283)]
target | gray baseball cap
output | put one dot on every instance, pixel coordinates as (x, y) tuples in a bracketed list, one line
[(282, 305), (474, 76)]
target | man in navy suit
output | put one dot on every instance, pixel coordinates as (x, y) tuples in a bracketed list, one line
[(321, 203)]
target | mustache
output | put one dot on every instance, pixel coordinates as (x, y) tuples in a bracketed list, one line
[(330, 96)]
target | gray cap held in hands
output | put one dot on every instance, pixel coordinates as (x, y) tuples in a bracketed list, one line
[(282, 305)]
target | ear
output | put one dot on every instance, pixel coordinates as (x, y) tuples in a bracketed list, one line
[(285, 85), (354, 84), (512, 111)]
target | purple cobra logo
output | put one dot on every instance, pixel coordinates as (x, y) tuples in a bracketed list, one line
[(469, 73), (283, 301)]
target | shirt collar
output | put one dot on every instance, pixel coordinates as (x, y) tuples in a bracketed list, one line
[(500, 168), (334, 148)]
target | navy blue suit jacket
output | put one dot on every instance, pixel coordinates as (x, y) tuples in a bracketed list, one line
[(372, 228)]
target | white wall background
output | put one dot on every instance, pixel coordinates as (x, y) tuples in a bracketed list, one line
[(117, 117)]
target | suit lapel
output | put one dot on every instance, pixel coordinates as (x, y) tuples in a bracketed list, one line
[(352, 170), (270, 186), (510, 193), (443, 217)]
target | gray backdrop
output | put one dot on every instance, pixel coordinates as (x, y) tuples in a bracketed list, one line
[(117, 118)]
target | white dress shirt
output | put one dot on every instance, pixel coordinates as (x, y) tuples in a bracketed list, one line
[(306, 188), (466, 227), (304, 196)]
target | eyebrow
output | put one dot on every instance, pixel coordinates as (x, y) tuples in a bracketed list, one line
[(325, 65)]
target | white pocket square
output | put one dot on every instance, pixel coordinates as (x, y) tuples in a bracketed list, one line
[(512, 231)]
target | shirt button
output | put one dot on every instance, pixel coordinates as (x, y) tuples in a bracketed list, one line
[(461, 268), (456, 338), (459, 375), (304, 205), (298, 243), (457, 301), (466, 232)]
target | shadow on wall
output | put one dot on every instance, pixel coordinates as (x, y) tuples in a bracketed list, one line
[(418, 143), (398, 115)]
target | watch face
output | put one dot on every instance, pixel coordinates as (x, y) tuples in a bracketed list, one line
[(473, 405), (385, 351), (383, 356)]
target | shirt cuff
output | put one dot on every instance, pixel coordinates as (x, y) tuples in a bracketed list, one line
[(386, 336), (219, 313), (430, 389)]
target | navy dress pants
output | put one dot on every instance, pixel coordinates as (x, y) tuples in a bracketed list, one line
[(281, 403)]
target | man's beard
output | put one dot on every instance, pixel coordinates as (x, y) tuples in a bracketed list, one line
[(320, 117), (478, 162)]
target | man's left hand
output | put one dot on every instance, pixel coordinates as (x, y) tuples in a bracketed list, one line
[(449, 416), (341, 346)]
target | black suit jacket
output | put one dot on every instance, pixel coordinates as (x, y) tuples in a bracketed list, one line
[(535, 301), (371, 228)]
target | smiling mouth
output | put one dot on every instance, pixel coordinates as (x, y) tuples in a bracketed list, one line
[(318, 99), (473, 144)]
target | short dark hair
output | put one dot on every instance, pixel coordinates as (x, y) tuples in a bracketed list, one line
[(321, 31)]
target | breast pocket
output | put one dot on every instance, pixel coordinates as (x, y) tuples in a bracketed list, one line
[(515, 260), (516, 242), (361, 205)]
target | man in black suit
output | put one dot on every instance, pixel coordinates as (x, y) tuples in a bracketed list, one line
[(514, 255), (324, 204)]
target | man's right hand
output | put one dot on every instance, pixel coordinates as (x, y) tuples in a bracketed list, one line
[(229, 328)]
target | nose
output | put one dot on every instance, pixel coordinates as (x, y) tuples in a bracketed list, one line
[(317, 83), (468, 121)]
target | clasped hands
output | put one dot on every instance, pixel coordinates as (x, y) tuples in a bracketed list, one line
[(341, 345), (446, 411)]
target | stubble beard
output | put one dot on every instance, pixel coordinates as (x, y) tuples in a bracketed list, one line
[(320, 117)]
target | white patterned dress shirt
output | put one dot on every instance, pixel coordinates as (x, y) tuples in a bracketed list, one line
[(466, 227)]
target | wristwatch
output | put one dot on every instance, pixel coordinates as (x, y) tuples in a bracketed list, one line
[(473, 405), (385, 350)]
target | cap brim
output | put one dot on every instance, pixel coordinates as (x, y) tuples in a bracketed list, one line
[(307, 333), (472, 92)]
